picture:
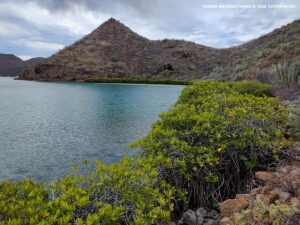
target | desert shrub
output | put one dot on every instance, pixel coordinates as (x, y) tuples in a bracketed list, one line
[(128, 192), (278, 213), (240, 67), (292, 32), (288, 72), (251, 87), (212, 140), (114, 59), (272, 44), (277, 55)]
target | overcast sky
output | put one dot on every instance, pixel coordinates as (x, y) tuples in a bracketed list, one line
[(41, 27)]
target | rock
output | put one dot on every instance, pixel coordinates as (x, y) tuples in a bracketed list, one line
[(201, 213), (224, 221), (255, 191), (272, 197), (168, 66), (264, 176), (231, 206), (193, 218), (210, 222), (285, 196), (213, 214), (189, 218)]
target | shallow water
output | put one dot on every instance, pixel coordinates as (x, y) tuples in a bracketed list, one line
[(47, 127)]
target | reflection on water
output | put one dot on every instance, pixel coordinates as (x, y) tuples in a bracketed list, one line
[(47, 127)]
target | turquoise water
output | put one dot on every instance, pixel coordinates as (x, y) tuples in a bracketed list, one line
[(47, 127)]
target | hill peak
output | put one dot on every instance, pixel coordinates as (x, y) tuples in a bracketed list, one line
[(112, 23), (114, 31)]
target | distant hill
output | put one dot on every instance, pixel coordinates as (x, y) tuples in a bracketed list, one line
[(113, 50), (11, 65)]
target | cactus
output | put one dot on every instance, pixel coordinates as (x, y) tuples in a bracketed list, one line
[(288, 72)]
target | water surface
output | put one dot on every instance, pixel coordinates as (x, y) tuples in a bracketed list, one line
[(47, 127)]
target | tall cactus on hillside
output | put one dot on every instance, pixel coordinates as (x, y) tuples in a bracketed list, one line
[(288, 72)]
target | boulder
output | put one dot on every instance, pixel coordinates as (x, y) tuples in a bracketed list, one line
[(264, 176), (231, 206), (189, 218), (199, 217)]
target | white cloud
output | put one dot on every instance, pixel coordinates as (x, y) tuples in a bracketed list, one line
[(39, 45), (10, 30)]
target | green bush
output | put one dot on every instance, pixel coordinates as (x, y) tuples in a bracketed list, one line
[(213, 139), (251, 87), (278, 213), (128, 192)]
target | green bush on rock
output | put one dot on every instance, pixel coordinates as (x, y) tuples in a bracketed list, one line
[(277, 213), (213, 139)]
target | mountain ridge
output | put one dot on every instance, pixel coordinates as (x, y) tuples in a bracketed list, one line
[(115, 51), (11, 65)]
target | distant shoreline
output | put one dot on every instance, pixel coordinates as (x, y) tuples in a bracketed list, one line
[(137, 81), (105, 80)]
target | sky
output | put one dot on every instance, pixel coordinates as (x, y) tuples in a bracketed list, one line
[(36, 28)]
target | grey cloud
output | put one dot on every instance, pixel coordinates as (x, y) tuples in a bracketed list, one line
[(155, 19)]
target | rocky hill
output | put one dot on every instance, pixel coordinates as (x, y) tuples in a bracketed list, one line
[(11, 65), (113, 50)]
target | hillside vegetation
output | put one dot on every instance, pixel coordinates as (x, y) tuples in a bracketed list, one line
[(202, 151), (114, 51)]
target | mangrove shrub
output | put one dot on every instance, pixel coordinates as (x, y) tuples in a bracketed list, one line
[(214, 138)]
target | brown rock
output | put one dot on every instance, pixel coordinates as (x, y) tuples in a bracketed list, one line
[(264, 176), (224, 221), (255, 191), (267, 189), (231, 206), (272, 197)]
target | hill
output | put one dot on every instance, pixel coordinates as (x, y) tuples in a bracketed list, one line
[(11, 65), (114, 51)]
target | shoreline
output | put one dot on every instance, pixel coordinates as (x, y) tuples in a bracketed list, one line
[(138, 81), (118, 81)]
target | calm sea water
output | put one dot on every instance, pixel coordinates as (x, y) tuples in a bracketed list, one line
[(47, 127)]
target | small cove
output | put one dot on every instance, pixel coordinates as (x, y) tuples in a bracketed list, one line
[(45, 128)]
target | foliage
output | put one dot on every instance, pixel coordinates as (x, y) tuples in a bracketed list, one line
[(251, 87), (288, 72), (114, 59), (128, 192), (278, 213), (213, 138)]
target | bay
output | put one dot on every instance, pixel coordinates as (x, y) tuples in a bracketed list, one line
[(46, 127)]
